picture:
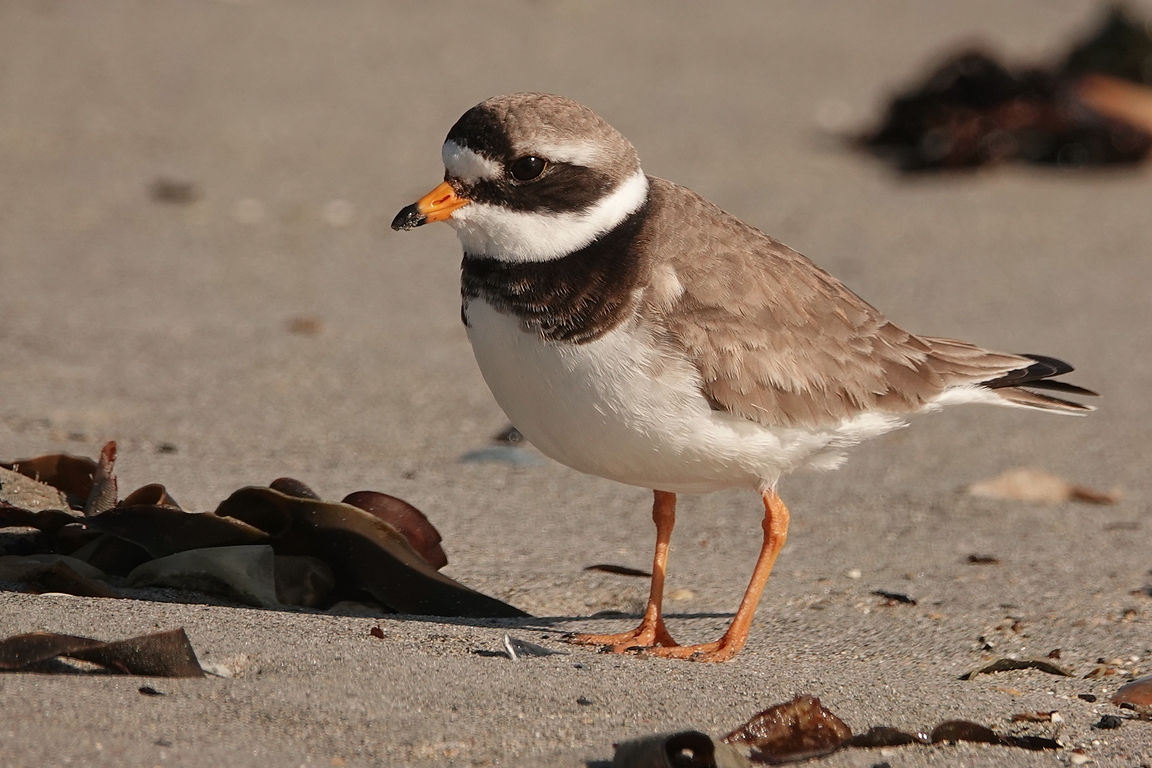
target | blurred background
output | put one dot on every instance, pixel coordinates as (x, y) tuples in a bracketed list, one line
[(195, 257), (196, 262)]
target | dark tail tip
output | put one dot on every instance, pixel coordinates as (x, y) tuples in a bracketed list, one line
[(1039, 376)]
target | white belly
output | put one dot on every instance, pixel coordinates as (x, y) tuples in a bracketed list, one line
[(614, 408)]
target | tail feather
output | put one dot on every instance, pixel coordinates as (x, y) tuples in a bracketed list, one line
[(1017, 386), (1013, 377), (1063, 386), (1042, 368), (1029, 399)]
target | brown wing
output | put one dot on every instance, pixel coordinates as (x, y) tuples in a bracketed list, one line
[(777, 339)]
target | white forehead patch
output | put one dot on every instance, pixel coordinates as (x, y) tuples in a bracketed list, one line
[(466, 165), (522, 236)]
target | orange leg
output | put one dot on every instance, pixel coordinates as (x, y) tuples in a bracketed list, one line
[(775, 533), (651, 630)]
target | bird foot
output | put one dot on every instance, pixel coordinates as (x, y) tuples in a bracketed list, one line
[(649, 634), (719, 650)]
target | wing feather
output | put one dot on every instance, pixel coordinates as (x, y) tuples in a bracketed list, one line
[(779, 341)]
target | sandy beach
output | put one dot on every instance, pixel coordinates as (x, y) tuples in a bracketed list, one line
[(266, 322)]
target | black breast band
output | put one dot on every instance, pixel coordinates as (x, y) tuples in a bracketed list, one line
[(577, 298)]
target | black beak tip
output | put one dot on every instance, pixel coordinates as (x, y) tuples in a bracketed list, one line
[(408, 218)]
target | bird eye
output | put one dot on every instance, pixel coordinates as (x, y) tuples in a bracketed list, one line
[(528, 168)]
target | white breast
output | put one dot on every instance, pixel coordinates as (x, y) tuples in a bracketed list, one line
[(618, 408)]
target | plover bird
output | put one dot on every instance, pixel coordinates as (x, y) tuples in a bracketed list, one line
[(632, 330)]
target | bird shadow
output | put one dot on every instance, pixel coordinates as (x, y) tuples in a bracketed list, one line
[(542, 623)]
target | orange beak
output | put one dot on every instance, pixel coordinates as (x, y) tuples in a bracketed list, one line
[(437, 205)]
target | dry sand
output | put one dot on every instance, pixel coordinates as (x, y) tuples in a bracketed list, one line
[(160, 324)]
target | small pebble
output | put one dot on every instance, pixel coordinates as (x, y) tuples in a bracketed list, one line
[(1108, 723), (304, 325), (508, 436), (174, 191), (1079, 758), (855, 573)]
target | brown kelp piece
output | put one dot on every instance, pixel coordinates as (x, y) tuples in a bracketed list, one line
[(63, 577), (248, 574), (963, 730), (56, 573), (243, 573), (48, 520), (320, 552), (1035, 717), (1008, 665), (952, 731), (103, 495), (302, 580), (271, 513), (795, 730), (21, 651), (151, 495), (1137, 693), (894, 598), (112, 554), (162, 531), (1121, 47), (70, 474), (412, 524), (1118, 99), (293, 487), (972, 110), (365, 553), (619, 570), (164, 654), (885, 736)]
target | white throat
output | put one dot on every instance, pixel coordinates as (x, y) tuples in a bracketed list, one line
[(519, 236)]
